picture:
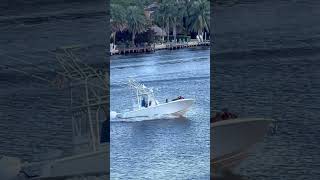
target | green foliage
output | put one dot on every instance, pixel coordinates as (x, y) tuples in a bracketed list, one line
[(147, 36), (118, 17), (174, 16), (136, 21), (199, 16)]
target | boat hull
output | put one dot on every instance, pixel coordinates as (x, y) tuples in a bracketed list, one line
[(93, 163), (178, 108), (230, 139)]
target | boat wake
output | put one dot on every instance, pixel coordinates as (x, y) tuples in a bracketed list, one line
[(114, 118), (113, 115)]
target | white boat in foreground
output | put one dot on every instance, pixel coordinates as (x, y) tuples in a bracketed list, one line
[(90, 131), (85, 164), (231, 139), (148, 106)]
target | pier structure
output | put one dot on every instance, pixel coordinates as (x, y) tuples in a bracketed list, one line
[(151, 48)]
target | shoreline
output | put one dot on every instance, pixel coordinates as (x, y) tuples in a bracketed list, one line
[(156, 47)]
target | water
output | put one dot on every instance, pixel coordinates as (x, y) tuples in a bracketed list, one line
[(267, 65), (169, 148), (34, 115)]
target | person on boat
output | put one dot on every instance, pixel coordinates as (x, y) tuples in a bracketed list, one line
[(227, 115), (216, 117), (233, 116), (143, 103), (179, 97)]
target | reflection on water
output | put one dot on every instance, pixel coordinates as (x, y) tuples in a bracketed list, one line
[(169, 148)]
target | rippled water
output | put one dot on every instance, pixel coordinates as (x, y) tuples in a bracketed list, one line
[(171, 148), (267, 65), (34, 115)]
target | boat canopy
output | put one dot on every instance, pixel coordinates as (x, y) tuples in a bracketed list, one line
[(145, 96)]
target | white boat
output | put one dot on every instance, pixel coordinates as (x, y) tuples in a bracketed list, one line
[(148, 106), (85, 164), (88, 107), (231, 139)]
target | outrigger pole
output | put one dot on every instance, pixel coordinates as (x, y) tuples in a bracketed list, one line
[(88, 90)]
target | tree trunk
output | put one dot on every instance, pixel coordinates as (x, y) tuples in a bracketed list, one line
[(162, 35), (168, 31), (200, 34), (133, 37), (162, 29), (175, 30)]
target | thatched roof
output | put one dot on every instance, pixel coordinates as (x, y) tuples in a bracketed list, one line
[(152, 7), (158, 31)]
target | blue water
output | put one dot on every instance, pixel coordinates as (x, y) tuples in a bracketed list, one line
[(266, 61), (167, 148), (35, 118)]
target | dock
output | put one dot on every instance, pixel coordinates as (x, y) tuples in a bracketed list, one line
[(114, 50), (174, 46), (134, 50)]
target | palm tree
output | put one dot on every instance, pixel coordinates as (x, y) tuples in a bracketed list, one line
[(136, 21), (199, 19), (159, 19), (172, 12), (118, 20), (163, 16), (177, 12)]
